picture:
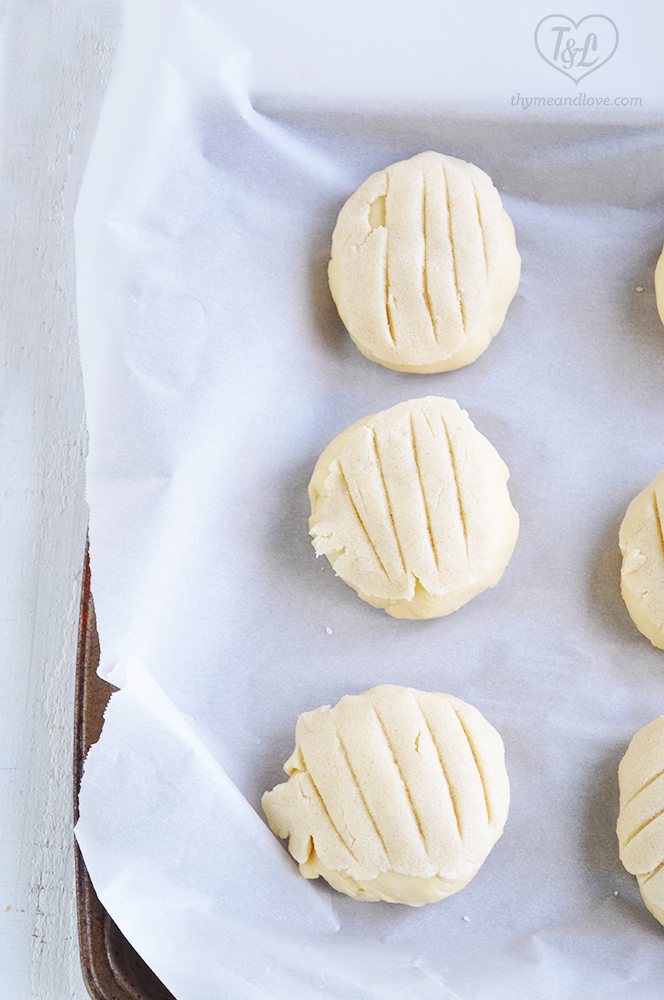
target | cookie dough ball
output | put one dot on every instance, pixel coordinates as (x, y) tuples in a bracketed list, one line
[(394, 794), (641, 819), (411, 508), (642, 547), (659, 286), (424, 264)]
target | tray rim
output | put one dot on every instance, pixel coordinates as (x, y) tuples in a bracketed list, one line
[(110, 966)]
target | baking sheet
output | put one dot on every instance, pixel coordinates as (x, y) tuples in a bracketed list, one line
[(111, 968), (216, 370)]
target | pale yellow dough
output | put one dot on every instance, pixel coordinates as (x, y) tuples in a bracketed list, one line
[(394, 794), (642, 547), (411, 508), (641, 819), (659, 286), (424, 264)]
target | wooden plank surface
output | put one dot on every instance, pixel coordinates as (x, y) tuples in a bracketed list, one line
[(55, 58)]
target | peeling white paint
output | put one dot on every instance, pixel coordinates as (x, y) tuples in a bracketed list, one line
[(55, 59)]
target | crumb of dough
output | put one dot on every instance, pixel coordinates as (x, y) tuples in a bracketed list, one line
[(424, 264), (394, 794), (641, 817), (411, 508)]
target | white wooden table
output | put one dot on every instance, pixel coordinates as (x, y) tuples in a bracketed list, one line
[(55, 59)]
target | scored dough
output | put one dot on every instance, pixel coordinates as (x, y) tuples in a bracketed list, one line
[(642, 547), (411, 508), (394, 794), (659, 286), (424, 264), (641, 819)]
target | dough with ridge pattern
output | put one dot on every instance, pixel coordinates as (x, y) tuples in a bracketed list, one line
[(394, 794), (641, 819), (424, 264), (411, 508), (642, 575), (659, 286)]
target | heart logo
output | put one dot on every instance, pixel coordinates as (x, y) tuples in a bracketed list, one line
[(576, 48)]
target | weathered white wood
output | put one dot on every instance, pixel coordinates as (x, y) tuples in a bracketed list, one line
[(55, 59)]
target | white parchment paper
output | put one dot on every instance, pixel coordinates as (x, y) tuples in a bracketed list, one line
[(216, 370)]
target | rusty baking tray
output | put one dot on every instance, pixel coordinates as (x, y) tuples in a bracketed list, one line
[(112, 969)]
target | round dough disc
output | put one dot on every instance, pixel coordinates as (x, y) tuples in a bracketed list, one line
[(659, 286), (394, 794), (424, 264), (411, 508), (641, 818), (642, 574)]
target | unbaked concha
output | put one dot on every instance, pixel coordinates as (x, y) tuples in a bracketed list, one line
[(641, 819), (659, 286), (424, 264), (411, 508), (394, 794), (642, 574)]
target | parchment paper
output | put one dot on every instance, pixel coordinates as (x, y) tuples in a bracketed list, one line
[(216, 370)]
